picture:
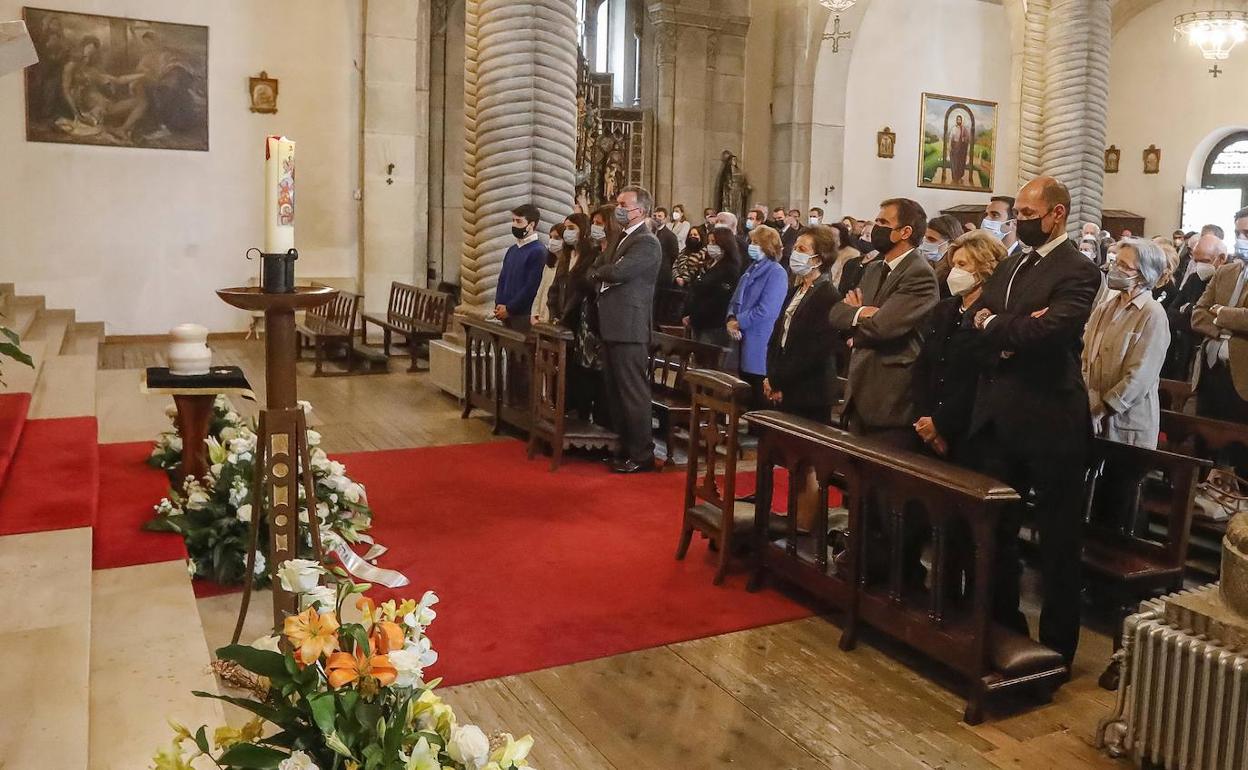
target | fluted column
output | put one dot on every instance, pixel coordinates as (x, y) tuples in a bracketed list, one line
[(519, 125), (1031, 122)]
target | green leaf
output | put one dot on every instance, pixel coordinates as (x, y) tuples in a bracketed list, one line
[(262, 662), (278, 715), (252, 757), (16, 353), (322, 705), (12, 335), (201, 739)]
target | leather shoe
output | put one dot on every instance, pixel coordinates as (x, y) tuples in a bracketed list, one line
[(631, 466)]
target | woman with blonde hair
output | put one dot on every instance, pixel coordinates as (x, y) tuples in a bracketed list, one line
[(947, 368)]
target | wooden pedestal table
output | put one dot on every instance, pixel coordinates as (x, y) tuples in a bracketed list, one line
[(281, 442), (194, 396)]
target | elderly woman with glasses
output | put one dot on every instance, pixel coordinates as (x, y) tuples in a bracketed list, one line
[(1124, 346)]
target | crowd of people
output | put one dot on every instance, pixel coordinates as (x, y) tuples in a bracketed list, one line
[(1003, 347)]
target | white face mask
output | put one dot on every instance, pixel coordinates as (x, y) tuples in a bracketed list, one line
[(597, 232), (960, 281), (799, 263), (1204, 270), (570, 235), (677, 216), (555, 245), (813, 221), (994, 227), (714, 251)]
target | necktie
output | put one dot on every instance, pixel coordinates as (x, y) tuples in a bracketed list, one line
[(1019, 273)]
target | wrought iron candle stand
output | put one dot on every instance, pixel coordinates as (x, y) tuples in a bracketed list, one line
[(282, 460)]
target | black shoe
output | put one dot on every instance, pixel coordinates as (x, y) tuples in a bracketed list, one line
[(632, 466)]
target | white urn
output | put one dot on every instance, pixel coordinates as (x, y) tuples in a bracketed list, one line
[(188, 352)]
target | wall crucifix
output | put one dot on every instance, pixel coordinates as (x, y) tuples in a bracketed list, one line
[(837, 35)]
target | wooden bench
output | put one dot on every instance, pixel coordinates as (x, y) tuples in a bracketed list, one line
[(550, 423), (882, 488), (418, 315), (331, 325), (669, 301), (1174, 394), (718, 401), (496, 372), (670, 358)]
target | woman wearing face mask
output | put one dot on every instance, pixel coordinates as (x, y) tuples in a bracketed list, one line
[(706, 305), (603, 229), (941, 232), (541, 310), (1166, 288), (844, 254), (1124, 346), (756, 305), (680, 223), (693, 260), (947, 369), (570, 284)]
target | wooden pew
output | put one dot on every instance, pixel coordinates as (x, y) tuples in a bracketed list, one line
[(550, 422), (718, 400), (668, 303), (1174, 394), (883, 488), (497, 361), (329, 325), (670, 358), (418, 315)]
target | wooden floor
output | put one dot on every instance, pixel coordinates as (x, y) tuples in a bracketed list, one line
[(782, 696)]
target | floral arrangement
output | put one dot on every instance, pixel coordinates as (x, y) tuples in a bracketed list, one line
[(343, 695), (213, 513)]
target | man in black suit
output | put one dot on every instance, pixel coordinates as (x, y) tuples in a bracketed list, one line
[(670, 248), (1208, 255), (790, 229), (1031, 424), (626, 276)]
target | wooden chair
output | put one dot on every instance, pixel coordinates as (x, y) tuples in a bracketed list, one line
[(551, 424), (670, 358), (418, 315), (330, 325), (1174, 394), (717, 402)]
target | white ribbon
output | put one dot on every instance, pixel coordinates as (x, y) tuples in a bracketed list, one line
[(360, 567)]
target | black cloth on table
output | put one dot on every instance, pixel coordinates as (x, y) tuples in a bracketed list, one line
[(218, 378)]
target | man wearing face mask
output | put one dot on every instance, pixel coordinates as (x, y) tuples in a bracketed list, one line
[(1031, 423), (999, 222), (626, 277), (816, 216), (522, 269), (789, 230), (670, 247), (1206, 258), (1221, 316), (885, 317)]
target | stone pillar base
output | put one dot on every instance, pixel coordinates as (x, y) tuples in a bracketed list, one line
[(1205, 612), (446, 364)]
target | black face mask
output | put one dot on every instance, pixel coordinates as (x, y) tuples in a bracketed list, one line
[(519, 232), (882, 238), (1031, 232)]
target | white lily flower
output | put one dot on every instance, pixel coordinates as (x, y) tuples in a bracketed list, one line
[(298, 761), (244, 512), (299, 575), (469, 746), (325, 597)]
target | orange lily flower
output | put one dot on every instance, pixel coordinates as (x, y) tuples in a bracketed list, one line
[(386, 636), (343, 668), (312, 635), (368, 608)]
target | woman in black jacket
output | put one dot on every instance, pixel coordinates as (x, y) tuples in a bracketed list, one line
[(947, 368), (706, 305), (801, 366)]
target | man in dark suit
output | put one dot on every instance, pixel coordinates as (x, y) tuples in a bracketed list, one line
[(670, 249), (885, 317), (1031, 424), (790, 229), (626, 276), (1208, 255)]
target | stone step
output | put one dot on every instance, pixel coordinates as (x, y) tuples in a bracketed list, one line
[(24, 312), (83, 337), (48, 645), (19, 378), (147, 655), (51, 327), (65, 387)]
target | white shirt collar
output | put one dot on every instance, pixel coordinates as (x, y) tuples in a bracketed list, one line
[(893, 263), (526, 240), (1047, 248), (629, 230)]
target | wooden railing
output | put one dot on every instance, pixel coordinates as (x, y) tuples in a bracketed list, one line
[(893, 499), (497, 372)]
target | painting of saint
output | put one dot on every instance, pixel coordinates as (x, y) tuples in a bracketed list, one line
[(117, 82), (958, 146)]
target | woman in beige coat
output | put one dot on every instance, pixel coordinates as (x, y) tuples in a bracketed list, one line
[(1124, 346)]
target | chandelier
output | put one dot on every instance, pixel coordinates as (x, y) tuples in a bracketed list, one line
[(1214, 32), (837, 6)]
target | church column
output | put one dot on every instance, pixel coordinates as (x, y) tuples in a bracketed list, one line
[(520, 128), (395, 131), (1075, 102), (799, 28)]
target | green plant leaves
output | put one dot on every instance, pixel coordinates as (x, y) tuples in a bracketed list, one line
[(262, 662), (249, 756)]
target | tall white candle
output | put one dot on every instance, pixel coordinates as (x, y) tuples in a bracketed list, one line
[(279, 195)]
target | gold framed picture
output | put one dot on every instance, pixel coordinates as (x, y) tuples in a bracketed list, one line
[(263, 92), (1152, 160), (885, 143), (1113, 156), (957, 146)]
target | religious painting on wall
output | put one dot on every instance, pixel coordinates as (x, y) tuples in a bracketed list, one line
[(957, 148), (263, 92), (1152, 160), (117, 82), (885, 142), (1113, 156)]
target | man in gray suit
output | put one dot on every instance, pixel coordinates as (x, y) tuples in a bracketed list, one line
[(626, 276), (885, 317)]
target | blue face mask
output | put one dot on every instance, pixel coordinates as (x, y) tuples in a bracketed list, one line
[(755, 251), (749, 224), (1241, 248), (931, 251)]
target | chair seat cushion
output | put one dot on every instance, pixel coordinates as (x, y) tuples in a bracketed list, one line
[(1119, 564), (742, 515), (1013, 654)]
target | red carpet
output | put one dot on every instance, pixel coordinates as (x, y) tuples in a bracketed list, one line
[(129, 488), (13, 409), (539, 569), (53, 479)]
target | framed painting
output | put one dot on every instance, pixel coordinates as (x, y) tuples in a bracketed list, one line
[(957, 144), (263, 93), (117, 82)]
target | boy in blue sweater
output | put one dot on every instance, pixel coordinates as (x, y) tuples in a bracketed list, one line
[(522, 270)]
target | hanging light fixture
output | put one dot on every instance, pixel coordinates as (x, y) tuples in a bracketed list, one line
[(837, 6), (1215, 33)]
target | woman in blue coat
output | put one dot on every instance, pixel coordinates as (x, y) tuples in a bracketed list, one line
[(756, 305)]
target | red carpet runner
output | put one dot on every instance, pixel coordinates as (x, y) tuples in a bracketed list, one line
[(535, 569), (53, 479)]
